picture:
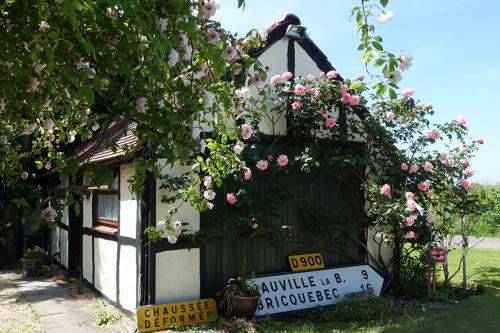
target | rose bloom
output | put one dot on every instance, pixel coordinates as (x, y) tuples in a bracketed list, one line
[(261, 165), (461, 121), (408, 92), (423, 186), (389, 116), (229, 53), (404, 166), (213, 36), (287, 76), (428, 106), (321, 111), (410, 220), (248, 174), (238, 147), (246, 131), (430, 218), (282, 160), (207, 182), (276, 79), (360, 77), (300, 89), (414, 168), (409, 195), (354, 100), (386, 190), (480, 141), (410, 235), (172, 239), (411, 205), (231, 198), (24, 175), (270, 157), (428, 166), (429, 194), (310, 78), (434, 134), (209, 195), (330, 122), (296, 105), (466, 184), (469, 172), (443, 157), (177, 225), (331, 74), (465, 162), (254, 226)]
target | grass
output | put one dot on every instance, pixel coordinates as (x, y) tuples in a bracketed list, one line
[(475, 314)]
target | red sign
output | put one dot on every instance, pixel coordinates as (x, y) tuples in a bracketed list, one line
[(439, 255)]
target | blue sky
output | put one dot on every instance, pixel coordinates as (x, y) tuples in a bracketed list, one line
[(455, 45)]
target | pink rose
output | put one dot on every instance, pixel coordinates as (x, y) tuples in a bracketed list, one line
[(276, 79), (229, 53), (344, 89), (299, 89), (408, 92), (321, 111), (480, 141), (466, 184), (469, 172), (254, 226), (414, 168), (231, 198), (423, 186), (270, 157), (346, 98), (428, 166), (465, 162), (434, 134), (330, 122), (177, 225), (248, 174), (410, 220), (410, 235), (386, 190), (411, 205), (246, 131), (409, 195), (429, 194), (428, 106), (461, 121), (360, 77), (331, 74), (354, 100), (430, 218), (262, 165), (389, 116), (443, 157), (404, 166), (282, 160), (172, 239), (310, 78), (296, 105), (287, 76)]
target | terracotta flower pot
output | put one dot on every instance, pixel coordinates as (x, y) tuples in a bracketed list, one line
[(241, 306), (32, 266)]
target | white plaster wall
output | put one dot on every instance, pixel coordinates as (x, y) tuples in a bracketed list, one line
[(185, 212), (304, 65), (373, 248), (177, 275), (128, 277), (128, 204), (54, 241), (105, 257), (87, 258), (87, 211), (63, 234)]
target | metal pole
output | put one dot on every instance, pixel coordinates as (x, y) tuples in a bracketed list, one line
[(464, 252)]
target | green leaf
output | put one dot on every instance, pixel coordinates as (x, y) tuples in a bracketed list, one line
[(392, 94), (384, 3), (88, 93), (378, 46)]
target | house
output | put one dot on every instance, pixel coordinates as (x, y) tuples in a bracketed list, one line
[(106, 241)]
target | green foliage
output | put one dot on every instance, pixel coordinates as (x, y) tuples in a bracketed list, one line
[(34, 253), (105, 318)]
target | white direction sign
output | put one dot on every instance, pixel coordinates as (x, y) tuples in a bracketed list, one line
[(302, 290)]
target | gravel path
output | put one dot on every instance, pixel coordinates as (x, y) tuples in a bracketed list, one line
[(16, 313), (480, 242)]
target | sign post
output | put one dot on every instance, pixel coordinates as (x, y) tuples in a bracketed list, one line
[(307, 289)]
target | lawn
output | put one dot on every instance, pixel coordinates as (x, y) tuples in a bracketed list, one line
[(475, 314)]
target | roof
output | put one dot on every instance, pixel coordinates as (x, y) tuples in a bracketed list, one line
[(278, 30), (121, 134)]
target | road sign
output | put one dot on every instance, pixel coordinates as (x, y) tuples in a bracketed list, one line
[(302, 290), (157, 317), (302, 262), (439, 255)]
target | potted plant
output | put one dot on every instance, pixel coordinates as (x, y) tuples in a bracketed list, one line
[(241, 297), (32, 261)]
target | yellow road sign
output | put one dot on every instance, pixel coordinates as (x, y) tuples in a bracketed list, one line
[(157, 317), (302, 262)]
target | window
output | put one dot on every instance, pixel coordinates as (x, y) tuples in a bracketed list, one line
[(106, 206)]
